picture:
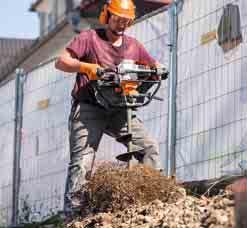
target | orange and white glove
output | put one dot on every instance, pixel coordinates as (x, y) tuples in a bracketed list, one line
[(162, 72), (90, 69)]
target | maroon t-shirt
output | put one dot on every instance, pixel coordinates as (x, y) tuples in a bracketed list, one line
[(91, 46)]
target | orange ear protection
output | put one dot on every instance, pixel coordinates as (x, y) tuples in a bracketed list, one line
[(103, 18)]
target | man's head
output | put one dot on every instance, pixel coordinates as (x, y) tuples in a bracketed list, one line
[(118, 14)]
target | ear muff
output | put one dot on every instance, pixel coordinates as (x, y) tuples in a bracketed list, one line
[(103, 18)]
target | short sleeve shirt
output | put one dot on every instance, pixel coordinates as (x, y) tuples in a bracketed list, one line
[(91, 46)]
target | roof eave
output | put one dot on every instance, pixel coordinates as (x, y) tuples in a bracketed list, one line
[(34, 5)]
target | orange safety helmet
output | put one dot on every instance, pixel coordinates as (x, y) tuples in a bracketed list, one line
[(121, 8)]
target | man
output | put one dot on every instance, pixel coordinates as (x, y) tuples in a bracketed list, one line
[(90, 50)]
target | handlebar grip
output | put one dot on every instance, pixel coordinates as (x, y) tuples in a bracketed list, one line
[(100, 72), (163, 72), (164, 76)]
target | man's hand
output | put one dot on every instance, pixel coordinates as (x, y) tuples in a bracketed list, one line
[(90, 69), (162, 72), (68, 62)]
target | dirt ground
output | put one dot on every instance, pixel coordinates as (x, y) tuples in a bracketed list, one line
[(116, 197)]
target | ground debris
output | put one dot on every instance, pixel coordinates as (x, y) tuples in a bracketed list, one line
[(143, 198), (115, 188)]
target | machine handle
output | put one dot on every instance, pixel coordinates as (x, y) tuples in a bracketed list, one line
[(100, 72), (163, 72)]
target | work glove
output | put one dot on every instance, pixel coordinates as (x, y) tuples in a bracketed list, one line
[(161, 71), (90, 69)]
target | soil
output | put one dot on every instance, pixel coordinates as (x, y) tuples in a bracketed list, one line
[(140, 197)]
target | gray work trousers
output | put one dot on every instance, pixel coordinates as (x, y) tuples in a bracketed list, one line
[(87, 124)]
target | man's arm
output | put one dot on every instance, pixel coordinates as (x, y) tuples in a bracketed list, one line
[(67, 62)]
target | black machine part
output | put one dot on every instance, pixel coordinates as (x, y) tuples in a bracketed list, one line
[(131, 72), (128, 71)]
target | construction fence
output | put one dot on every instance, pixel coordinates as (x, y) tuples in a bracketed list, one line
[(211, 88), (211, 108)]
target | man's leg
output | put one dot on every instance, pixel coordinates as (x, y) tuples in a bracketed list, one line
[(86, 129), (140, 138)]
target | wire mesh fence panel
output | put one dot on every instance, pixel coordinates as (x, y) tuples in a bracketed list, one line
[(7, 125), (45, 152), (211, 101)]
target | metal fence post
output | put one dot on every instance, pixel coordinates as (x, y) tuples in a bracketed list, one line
[(171, 158), (19, 82)]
